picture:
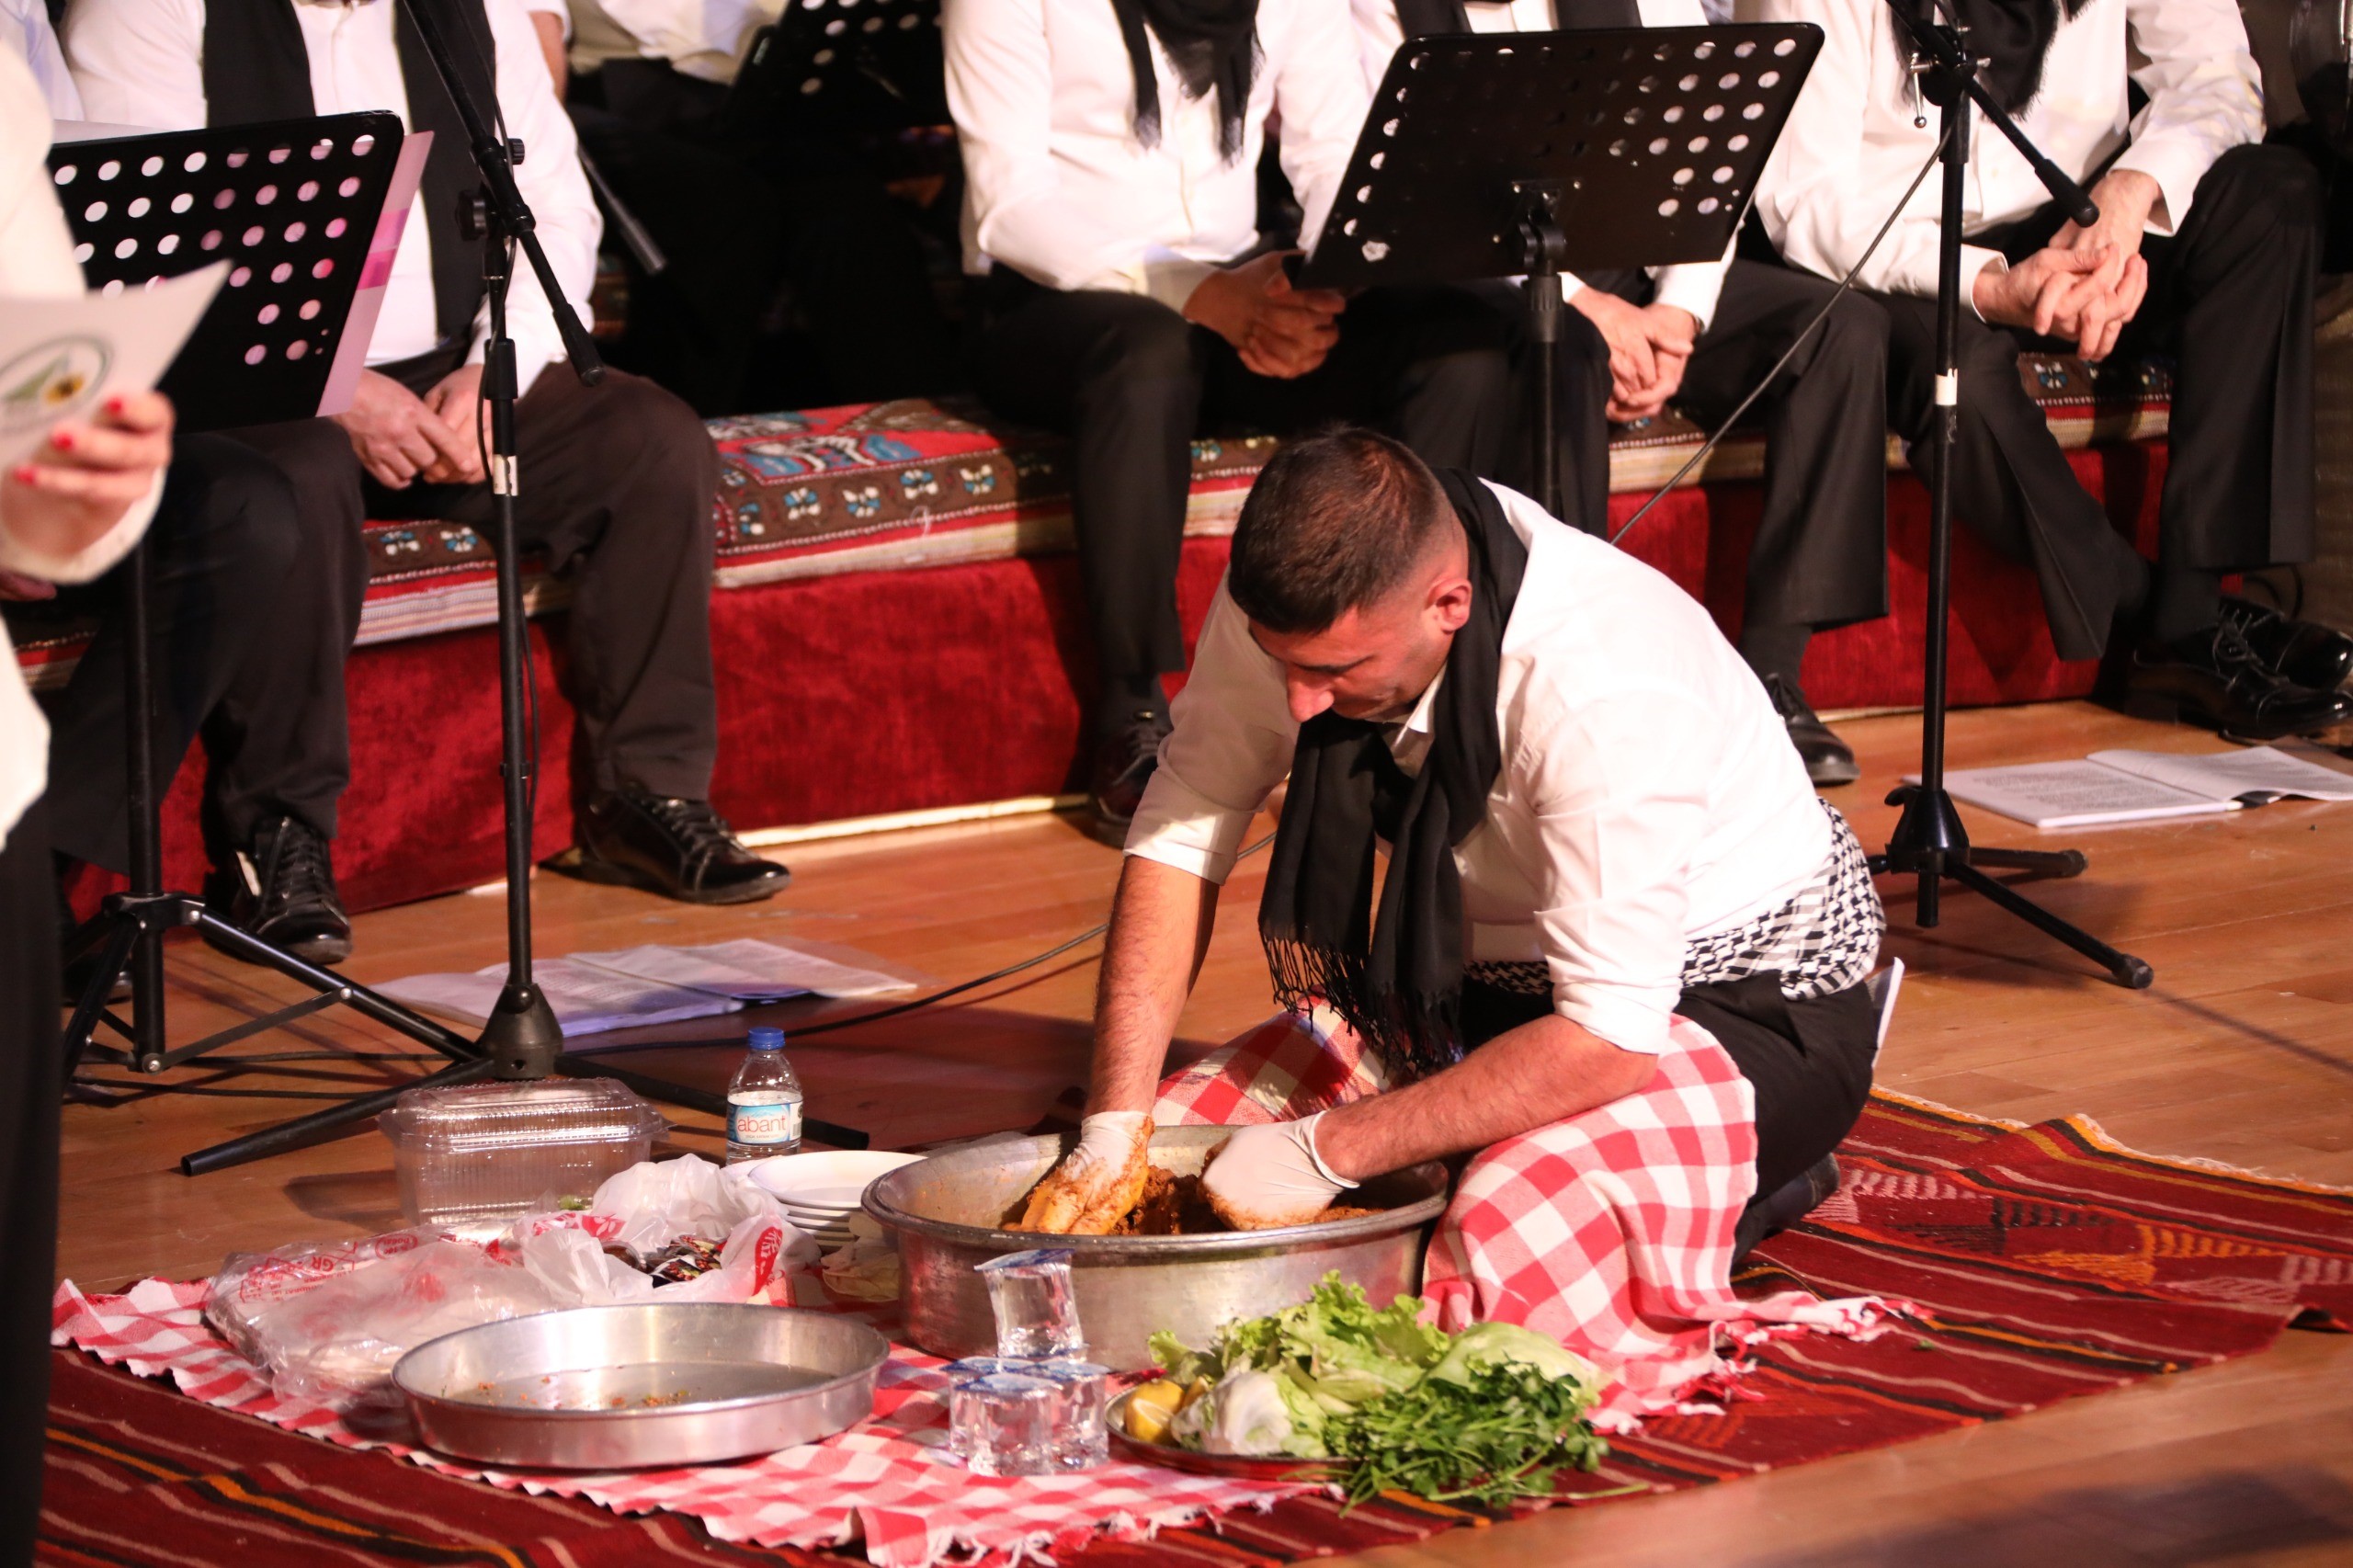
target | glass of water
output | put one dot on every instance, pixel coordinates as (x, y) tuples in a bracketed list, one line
[(1081, 1439), (1005, 1423), (1037, 1313)]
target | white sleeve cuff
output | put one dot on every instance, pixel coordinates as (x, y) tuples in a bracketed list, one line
[(1975, 259), (93, 560), (1692, 287), (1177, 826), (2177, 169), (1172, 279), (1628, 1020)]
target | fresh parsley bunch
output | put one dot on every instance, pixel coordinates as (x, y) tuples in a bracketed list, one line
[(1490, 1414)]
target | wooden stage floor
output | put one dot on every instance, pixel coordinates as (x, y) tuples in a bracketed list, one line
[(2242, 1053)]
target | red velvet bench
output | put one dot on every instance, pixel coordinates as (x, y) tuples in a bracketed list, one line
[(898, 624)]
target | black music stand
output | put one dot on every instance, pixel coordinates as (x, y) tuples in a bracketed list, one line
[(842, 66), (1503, 155), (293, 206), (1929, 842)]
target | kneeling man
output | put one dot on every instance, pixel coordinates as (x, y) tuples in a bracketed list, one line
[(1619, 950)]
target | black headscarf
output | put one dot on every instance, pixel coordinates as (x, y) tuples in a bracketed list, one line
[(2013, 37), (1398, 980), (1214, 43)]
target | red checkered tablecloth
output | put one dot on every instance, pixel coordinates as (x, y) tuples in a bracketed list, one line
[(887, 1482)]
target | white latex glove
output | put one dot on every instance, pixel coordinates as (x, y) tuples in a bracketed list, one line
[(1098, 1181), (1271, 1176)]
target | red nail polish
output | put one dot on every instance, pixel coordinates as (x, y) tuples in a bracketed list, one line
[(62, 439), (115, 403), (25, 473)]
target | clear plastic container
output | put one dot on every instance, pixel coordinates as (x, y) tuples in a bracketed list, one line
[(472, 1156)]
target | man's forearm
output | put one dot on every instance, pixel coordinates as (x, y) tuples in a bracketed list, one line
[(1541, 1073), (1161, 920)]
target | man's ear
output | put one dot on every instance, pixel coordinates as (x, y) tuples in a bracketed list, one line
[(1449, 602)]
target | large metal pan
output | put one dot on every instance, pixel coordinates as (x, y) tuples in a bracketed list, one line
[(945, 1213), (649, 1384)]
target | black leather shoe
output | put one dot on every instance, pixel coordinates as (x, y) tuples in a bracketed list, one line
[(1768, 1213), (1123, 765), (1828, 759), (677, 847), (2302, 652), (281, 888), (2214, 678)]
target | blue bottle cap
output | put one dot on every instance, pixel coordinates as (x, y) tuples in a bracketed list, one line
[(767, 1039)]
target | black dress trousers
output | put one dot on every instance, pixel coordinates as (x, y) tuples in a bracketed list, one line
[(2231, 301), (31, 1074), (1132, 382), (1820, 555), (247, 614), (617, 481)]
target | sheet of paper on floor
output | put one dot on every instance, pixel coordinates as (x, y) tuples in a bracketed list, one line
[(2229, 774), (588, 999), (748, 969)]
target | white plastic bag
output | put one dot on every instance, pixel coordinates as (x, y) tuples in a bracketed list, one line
[(328, 1320)]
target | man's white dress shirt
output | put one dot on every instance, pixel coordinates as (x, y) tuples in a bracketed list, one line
[(1649, 794), (141, 63), (1057, 187), (706, 39), (25, 32), (37, 262), (1850, 147), (1692, 287)]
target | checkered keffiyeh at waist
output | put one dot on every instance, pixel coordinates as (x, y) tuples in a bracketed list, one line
[(1822, 940)]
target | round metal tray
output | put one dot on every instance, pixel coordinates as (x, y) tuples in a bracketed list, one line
[(1241, 1467), (616, 1388), (945, 1214)]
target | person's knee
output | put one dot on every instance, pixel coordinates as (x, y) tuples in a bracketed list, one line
[(1855, 330), (1146, 347), (2277, 182), (235, 511)]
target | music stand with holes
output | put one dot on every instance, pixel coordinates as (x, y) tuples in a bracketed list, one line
[(1530, 154), (842, 66), (295, 207)]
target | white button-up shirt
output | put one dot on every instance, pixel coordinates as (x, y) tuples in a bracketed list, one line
[(1649, 793), (1057, 187), (1850, 147), (141, 63), (37, 262), (1692, 287)]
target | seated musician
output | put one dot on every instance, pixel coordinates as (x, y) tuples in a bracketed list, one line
[(1612, 899), (2204, 251), (1122, 296), (1701, 336), (616, 481)]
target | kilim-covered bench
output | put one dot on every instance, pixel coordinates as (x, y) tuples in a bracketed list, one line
[(898, 624)]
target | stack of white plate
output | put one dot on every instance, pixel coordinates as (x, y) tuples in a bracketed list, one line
[(820, 1192)]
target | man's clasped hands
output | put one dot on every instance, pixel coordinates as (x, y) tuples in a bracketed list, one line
[(2087, 283)]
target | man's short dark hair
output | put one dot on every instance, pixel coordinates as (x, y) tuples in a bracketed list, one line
[(1336, 521)]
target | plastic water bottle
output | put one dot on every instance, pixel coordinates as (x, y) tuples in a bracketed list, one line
[(762, 1101)]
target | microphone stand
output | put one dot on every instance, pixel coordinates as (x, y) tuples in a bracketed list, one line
[(521, 1038), (1929, 841)]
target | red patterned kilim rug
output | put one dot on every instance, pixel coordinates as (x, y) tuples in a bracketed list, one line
[(2047, 1262)]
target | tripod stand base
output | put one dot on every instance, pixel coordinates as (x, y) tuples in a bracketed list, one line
[(1929, 843)]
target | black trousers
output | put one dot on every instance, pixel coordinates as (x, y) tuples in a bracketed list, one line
[(1820, 555), (735, 217), (245, 649), (1132, 382), (31, 1086), (1808, 1062), (616, 482), (2230, 299)]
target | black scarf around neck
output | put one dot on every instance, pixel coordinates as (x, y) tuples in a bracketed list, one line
[(1397, 980), (2013, 37), (1213, 43)]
